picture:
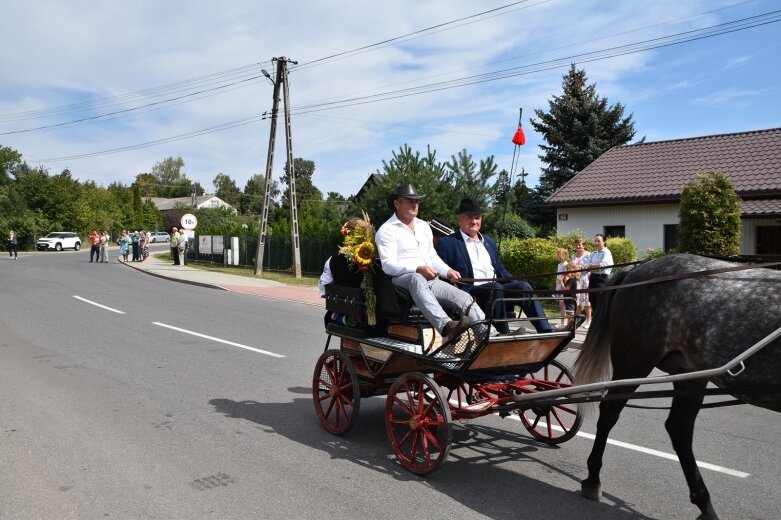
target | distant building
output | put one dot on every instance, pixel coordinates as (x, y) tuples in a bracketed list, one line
[(202, 201), (634, 191)]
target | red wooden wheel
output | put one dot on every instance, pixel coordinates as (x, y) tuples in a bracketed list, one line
[(336, 392), (417, 419), (553, 424)]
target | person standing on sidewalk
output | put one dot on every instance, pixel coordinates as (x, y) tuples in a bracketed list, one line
[(103, 241), (175, 246), (601, 262), (182, 248), (12, 244)]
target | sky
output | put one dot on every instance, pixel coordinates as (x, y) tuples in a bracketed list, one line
[(108, 89)]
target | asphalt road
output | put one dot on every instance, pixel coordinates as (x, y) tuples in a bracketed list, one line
[(126, 396)]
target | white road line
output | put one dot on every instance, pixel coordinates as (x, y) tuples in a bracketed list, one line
[(253, 349), (98, 305), (657, 453)]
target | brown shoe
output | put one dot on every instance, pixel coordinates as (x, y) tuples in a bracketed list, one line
[(455, 328)]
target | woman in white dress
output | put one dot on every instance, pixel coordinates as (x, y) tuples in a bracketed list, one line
[(580, 258)]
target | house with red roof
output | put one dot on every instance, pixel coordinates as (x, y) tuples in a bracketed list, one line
[(634, 191)]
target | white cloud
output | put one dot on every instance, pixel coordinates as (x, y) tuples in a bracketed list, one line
[(58, 53)]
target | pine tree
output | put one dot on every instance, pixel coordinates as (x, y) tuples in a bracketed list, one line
[(578, 128)]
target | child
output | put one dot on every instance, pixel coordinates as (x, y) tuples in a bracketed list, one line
[(562, 255)]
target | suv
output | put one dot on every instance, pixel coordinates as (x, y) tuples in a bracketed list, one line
[(59, 241), (159, 236)]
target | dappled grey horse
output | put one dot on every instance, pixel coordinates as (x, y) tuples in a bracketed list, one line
[(695, 322)]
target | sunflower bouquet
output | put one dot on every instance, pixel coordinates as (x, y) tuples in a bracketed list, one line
[(360, 250)]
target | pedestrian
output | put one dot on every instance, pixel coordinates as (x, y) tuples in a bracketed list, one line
[(580, 259), (134, 243), (124, 244), (104, 240), (12, 244), (143, 244), (600, 262), (175, 246), (182, 248), (94, 251)]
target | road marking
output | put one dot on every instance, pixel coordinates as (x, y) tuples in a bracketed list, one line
[(253, 349), (649, 451), (98, 305)]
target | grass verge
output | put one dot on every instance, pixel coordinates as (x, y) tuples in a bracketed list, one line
[(286, 278)]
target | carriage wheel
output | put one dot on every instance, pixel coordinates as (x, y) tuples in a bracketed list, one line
[(417, 419), (336, 392), (552, 424)]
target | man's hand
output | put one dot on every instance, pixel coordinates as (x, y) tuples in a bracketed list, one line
[(453, 275), (427, 272)]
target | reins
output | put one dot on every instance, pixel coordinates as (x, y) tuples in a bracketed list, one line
[(658, 279)]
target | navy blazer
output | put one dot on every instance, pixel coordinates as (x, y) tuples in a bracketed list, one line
[(452, 249)]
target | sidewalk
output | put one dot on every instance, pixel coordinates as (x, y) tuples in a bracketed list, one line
[(228, 282), (254, 286)]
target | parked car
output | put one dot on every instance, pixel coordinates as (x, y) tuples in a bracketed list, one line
[(58, 241), (159, 236)]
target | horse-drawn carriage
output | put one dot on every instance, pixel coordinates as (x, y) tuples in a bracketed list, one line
[(429, 382), (698, 319)]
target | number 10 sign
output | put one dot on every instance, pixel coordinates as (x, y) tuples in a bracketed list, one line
[(189, 221)]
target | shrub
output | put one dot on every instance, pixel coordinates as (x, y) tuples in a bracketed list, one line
[(623, 250), (567, 241), (710, 216), (531, 256), (512, 226)]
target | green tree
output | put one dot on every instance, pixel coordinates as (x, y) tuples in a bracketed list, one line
[(425, 172), (578, 127), (470, 179), (310, 199), (9, 160), (227, 189), (710, 216), (254, 192)]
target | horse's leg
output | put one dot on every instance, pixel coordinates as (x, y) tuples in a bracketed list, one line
[(680, 427), (609, 411)]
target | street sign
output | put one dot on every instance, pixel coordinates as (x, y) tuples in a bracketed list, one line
[(189, 221)]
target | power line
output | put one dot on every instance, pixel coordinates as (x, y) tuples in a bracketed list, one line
[(611, 52)]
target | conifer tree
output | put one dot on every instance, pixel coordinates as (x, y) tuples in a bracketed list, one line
[(578, 127)]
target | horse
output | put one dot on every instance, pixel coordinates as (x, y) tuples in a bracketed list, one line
[(692, 320)]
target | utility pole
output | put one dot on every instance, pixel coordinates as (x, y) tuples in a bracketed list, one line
[(280, 82)]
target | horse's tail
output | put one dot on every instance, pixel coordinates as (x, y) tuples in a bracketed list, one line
[(593, 362)]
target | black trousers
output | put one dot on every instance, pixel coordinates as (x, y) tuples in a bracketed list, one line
[(596, 280), (94, 250), (175, 255), (486, 294)]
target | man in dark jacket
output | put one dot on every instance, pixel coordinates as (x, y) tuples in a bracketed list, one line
[(476, 256)]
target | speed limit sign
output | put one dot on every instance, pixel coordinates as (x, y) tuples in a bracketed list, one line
[(189, 221)]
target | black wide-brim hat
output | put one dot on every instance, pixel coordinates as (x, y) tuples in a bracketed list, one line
[(469, 207), (406, 191)]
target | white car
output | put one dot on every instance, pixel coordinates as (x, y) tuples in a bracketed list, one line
[(59, 241), (159, 236)]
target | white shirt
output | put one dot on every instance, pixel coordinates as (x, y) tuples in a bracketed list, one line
[(482, 267), (603, 258), (403, 250)]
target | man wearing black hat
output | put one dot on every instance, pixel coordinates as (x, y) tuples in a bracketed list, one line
[(476, 256), (407, 253)]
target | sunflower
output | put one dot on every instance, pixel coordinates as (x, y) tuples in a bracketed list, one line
[(364, 253)]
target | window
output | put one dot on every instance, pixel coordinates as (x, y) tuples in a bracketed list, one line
[(670, 237), (615, 231)]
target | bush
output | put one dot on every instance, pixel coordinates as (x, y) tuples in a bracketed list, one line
[(531, 256), (513, 226), (623, 250), (567, 241), (710, 216)]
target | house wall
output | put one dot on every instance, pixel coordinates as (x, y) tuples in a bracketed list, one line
[(644, 224)]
